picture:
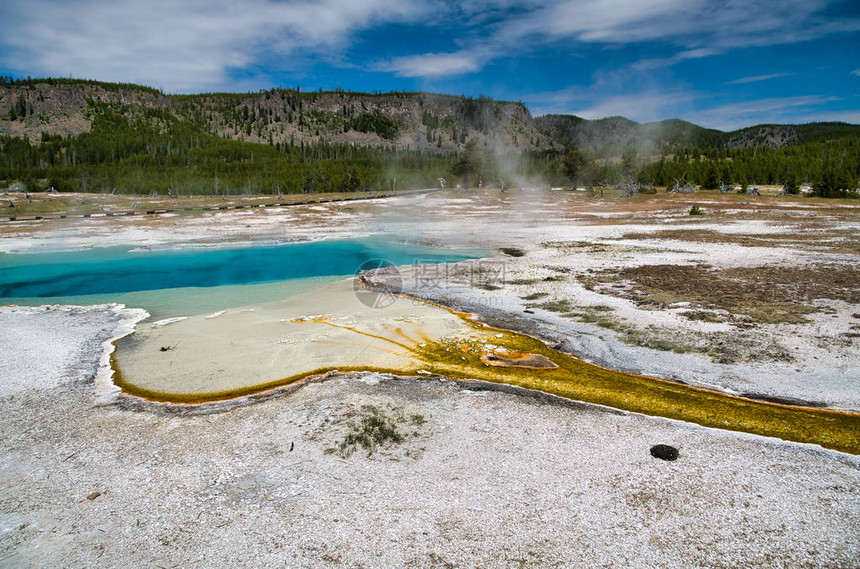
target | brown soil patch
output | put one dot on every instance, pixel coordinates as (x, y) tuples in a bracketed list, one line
[(761, 294), (77, 204), (830, 240)]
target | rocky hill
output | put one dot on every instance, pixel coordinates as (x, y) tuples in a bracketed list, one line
[(778, 136), (402, 120), (58, 106)]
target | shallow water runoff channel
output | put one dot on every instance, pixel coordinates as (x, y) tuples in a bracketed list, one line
[(227, 322)]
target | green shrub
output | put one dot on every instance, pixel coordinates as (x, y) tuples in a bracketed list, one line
[(374, 429)]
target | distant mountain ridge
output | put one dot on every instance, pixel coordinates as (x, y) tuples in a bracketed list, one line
[(403, 120), (619, 132)]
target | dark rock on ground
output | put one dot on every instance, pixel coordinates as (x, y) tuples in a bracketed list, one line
[(664, 452)]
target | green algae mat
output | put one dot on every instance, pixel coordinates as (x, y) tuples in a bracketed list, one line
[(421, 338)]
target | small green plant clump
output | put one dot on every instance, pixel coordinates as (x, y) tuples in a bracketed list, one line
[(534, 296), (696, 210), (562, 305), (375, 429)]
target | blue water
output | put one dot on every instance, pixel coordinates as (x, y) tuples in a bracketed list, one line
[(209, 275)]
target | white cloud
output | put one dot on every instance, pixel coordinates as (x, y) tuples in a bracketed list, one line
[(179, 45), (697, 28), (658, 62), (856, 72), (763, 111), (610, 21), (643, 106), (687, 23), (757, 78), (432, 64)]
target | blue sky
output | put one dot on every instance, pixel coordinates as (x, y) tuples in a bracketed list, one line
[(722, 63)]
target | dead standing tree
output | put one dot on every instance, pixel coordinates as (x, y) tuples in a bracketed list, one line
[(631, 189), (682, 188)]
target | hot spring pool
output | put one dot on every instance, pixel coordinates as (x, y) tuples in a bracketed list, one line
[(195, 280)]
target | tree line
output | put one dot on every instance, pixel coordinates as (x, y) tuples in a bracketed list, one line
[(140, 149), (831, 168), (144, 150)]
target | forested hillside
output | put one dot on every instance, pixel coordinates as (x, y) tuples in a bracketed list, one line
[(824, 155), (88, 136), (79, 135)]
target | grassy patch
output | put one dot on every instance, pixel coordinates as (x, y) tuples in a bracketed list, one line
[(655, 339), (534, 296), (375, 428), (554, 305), (597, 315)]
